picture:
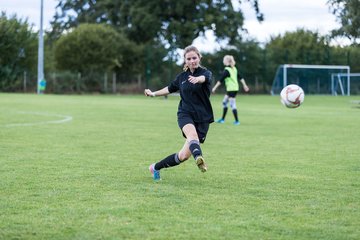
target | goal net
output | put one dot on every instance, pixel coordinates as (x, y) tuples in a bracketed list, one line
[(313, 79), (341, 83)]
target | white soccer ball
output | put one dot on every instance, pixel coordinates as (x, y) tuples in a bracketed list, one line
[(292, 96)]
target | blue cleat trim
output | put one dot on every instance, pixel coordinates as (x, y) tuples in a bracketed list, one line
[(154, 173), (220, 120)]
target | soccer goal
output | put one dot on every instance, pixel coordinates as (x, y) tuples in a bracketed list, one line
[(313, 79), (341, 83)]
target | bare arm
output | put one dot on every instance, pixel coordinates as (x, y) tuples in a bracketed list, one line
[(161, 92), (218, 83), (225, 74), (245, 86)]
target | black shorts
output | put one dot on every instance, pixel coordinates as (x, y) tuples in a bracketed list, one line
[(201, 128), (231, 94)]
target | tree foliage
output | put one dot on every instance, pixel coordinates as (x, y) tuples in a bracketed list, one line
[(299, 47), (349, 55), (172, 22), (91, 47), (348, 14), (307, 47), (18, 50)]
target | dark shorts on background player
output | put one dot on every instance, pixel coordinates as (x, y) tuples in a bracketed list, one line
[(231, 94)]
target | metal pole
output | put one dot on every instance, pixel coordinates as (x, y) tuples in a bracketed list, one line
[(40, 51), (284, 75), (348, 81)]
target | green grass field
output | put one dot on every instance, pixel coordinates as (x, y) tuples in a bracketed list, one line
[(76, 167)]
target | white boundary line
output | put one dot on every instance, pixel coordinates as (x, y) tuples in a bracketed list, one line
[(63, 120)]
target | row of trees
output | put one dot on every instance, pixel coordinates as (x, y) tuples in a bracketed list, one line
[(137, 40)]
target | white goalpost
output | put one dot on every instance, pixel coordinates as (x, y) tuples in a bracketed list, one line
[(338, 80), (314, 79)]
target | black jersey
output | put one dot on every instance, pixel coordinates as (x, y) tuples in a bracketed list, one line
[(194, 97)]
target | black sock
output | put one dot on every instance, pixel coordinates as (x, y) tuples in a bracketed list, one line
[(224, 113), (235, 115), (195, 149), (170, 161)]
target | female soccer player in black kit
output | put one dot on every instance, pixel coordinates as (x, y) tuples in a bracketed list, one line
[(194, 112)]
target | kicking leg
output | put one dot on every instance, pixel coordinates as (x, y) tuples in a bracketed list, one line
[(192, 147)]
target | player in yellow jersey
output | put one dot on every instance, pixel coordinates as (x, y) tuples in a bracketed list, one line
[(231, 78)]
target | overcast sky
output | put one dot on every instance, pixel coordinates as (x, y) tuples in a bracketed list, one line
[(280, 16), (287, 15)]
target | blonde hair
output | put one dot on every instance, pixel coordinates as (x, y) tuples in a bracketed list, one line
[(190, 49), (229, 60)]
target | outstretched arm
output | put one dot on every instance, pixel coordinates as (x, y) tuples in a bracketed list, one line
[(199, 79), (161, 92)]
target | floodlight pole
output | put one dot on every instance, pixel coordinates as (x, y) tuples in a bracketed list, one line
[(40, 51)]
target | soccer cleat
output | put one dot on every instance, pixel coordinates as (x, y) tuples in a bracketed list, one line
[(200, 162), (155, 173), (220, 120), (236, 123)]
